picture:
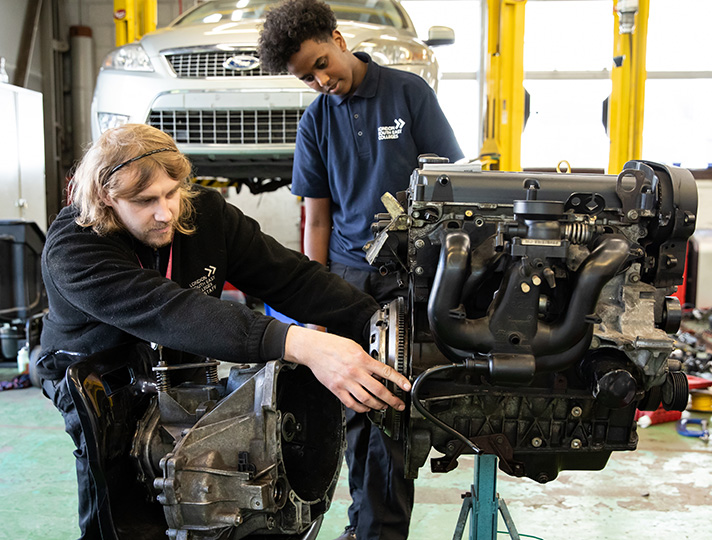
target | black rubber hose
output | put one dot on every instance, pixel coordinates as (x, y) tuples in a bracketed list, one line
[(428, 415)]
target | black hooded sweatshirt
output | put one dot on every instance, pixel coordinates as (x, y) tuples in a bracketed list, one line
[(106, 291)]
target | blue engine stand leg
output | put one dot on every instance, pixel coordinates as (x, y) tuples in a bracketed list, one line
[(483, 504)]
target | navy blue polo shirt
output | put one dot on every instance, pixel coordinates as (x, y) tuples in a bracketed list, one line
[(352, 149)]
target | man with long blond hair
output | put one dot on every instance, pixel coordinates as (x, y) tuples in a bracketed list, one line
[(141, 255)]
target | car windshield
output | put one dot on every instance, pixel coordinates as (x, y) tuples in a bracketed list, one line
[(383, 12)]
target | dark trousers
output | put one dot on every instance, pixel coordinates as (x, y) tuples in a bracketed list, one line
[(382, 497), (58, 392)]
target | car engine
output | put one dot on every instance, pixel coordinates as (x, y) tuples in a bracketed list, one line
[(538, 311)]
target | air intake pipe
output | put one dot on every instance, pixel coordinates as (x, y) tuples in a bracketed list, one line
[(502, 331)]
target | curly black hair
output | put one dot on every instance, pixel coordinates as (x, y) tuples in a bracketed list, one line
[(288, 25)]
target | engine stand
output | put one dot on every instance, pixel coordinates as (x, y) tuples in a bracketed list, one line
[(484, 503)]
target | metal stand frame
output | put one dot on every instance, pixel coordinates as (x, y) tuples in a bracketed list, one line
[(483, 503)]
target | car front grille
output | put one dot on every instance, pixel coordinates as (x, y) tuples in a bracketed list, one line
[(204, 64), (228, 127)]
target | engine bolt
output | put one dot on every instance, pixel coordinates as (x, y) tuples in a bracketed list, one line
[(419, 243), (576, 412), (419, 270), (542, 478), (633, 214), (536, 280), (576, 444), (595, 342), (525, 287), (536, 442), (635, 278)]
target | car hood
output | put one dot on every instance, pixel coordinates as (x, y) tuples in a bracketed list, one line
[(246, 33)]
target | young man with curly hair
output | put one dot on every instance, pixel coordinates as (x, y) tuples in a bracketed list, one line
[(126, 263), (359, 139)]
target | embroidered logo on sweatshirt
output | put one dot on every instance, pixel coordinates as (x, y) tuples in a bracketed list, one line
[(391, 132), (205, 283)]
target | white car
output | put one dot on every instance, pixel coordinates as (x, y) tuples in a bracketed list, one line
[(199, 79)]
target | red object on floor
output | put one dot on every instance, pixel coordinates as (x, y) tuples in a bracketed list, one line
[(659, 416), (696, 383)]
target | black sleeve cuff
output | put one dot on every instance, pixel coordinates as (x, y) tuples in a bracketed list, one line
[(273, 341), (365, 338)]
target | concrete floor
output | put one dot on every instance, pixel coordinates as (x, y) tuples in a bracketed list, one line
[(663, 490)]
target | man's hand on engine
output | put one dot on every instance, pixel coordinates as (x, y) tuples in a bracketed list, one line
[(345, 369)]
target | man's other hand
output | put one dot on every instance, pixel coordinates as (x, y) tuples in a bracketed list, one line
[(345, 369)]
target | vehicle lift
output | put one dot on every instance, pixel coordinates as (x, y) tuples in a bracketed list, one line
[(133, 19), (502, 87)]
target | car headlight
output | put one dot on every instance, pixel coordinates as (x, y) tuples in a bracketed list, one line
[(110, 120), (128, 58), (389, 52)]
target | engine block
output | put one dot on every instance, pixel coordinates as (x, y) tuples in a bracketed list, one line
[(538, 311)]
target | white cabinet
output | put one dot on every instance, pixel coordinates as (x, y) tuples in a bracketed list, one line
[(22, 165)]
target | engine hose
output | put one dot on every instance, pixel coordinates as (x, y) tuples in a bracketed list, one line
[(428, 415)]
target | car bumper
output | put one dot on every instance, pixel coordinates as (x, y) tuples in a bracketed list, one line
[(244, 117)]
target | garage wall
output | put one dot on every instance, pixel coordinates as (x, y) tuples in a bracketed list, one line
[(11, 22)]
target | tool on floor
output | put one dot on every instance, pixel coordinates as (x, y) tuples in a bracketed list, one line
[(702, 432), (701, 400)]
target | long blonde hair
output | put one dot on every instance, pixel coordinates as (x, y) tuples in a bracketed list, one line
[(99, 175)]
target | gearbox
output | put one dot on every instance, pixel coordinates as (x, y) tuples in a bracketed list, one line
[(179, 453), (538, 311)]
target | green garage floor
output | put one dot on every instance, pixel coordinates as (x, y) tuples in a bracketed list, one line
[(663, 490)]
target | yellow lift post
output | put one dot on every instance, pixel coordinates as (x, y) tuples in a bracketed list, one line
[(133, 19), (504, 112), (626, 104)]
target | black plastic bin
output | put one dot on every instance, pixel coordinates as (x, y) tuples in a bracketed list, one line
[(22, 293)]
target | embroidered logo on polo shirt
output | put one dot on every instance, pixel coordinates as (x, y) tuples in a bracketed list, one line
[(391, 132), (205, 283)]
